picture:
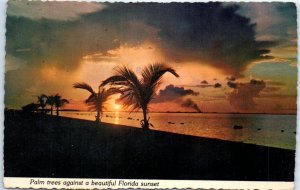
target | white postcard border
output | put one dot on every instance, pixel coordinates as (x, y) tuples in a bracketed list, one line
[(20, 182), (77, 183)]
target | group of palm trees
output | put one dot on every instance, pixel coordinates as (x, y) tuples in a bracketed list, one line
[(53, 101), (136, 93)]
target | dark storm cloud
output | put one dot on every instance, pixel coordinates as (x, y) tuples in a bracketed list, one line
[(242, 97), (58, 43), (177, 95), (275, 20), (206, 32), (172, 93)]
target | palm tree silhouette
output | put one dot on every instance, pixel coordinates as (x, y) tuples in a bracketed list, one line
[(96, 100), (137, 93), (59, 102), (42, 101), (51, 101)]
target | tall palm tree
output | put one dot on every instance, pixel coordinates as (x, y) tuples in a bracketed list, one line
[(59, 102), (42, 101), (137, 93), (96, 100), (51, 101)]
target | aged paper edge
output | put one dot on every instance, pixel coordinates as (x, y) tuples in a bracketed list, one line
[(22, 182)]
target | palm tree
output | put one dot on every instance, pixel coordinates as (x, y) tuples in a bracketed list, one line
[(59, 102), (137, 93), (42, 101), (97, 100), (51, 101)]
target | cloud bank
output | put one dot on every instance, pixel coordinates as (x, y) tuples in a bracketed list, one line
[(204, 32), (242, 97), (177, 95), (172, 93), (51, 10), (60, 34)]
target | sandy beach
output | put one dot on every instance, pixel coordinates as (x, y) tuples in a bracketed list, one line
[(48, 146)]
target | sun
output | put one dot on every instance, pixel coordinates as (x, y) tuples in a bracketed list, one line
[(117, 106)]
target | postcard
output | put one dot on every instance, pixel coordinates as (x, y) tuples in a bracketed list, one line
[(150, 95)]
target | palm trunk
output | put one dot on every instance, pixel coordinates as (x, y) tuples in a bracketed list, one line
[(98, 115), (146, 123), (43, 110), (51, 109), (98, 107), (57, 112)]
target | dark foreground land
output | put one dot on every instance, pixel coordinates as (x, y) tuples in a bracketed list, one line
[(45, 146)]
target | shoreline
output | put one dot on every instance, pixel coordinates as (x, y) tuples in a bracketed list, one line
[(270, 142), (173, 133), (68, 147)]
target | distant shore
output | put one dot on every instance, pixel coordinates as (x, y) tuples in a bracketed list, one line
[(47, 146), (73, 110)]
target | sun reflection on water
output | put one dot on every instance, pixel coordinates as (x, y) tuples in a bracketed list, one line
[(117, 118)]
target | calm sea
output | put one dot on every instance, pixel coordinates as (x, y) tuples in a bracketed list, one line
[(268, 130)]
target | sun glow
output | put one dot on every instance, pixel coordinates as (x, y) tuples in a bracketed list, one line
[(117, 106)]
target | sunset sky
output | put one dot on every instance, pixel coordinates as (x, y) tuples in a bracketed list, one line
[(231, 57)]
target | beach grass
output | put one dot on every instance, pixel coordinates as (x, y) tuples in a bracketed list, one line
[(38, 145)]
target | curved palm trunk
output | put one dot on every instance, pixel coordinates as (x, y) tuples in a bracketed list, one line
[(145, 125)]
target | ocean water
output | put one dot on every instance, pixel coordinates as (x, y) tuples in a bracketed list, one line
[(261, 129)]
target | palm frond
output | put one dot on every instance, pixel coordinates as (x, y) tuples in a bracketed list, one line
[(84, 86), (129, 83), (91, 98), (50, 100), (112, 91), (128, 100), (129, 75), (151, 79), (113, 80), (154, 72)]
